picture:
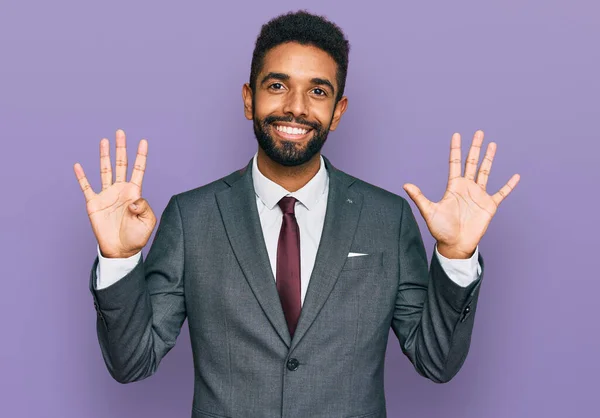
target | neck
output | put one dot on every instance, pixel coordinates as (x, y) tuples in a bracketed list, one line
[(290, 178)]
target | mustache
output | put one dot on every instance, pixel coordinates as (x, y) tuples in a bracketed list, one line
[(290, 119)]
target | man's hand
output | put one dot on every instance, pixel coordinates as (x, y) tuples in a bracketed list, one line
[(121, 219), (460, 219)]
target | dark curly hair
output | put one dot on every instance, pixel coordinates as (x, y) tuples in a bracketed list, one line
[(306, 29)]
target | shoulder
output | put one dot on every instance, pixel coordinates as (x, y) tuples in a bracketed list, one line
[(206, 193), (373, 195)]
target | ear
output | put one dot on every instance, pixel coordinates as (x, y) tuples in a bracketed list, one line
[(247, 97), (339, 110)]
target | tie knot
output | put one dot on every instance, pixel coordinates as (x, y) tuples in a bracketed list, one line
[(287, 205)]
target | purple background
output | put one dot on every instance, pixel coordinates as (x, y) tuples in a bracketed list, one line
[(526, 72)]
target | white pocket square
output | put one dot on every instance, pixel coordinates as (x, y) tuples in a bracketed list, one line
[(356, 254)]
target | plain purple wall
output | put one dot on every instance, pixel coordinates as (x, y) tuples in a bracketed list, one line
[(526, 72)]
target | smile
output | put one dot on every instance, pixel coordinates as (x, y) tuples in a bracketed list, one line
[(291, 132)]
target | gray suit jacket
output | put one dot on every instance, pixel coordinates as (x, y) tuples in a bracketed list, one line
[(209, 263)]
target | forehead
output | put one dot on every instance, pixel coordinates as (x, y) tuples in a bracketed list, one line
[(300, 62)]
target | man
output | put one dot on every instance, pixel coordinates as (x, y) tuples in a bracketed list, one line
[(290, 272)]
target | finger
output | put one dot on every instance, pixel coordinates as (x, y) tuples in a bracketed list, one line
[(506, 189), (423, 204), (486, 165), (141, 208), (105, 166), (455, 158), (137, 176), (88, 193), (121, 159), (473, 158)]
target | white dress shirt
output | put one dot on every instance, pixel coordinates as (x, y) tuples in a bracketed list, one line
[(310, 214)]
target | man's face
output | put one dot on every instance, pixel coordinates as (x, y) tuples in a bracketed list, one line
[(293, 106)]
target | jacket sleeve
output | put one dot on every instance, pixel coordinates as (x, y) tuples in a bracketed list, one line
[(140, 316), (433, 316)]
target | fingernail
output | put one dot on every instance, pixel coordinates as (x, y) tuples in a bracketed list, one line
[(133, 206)]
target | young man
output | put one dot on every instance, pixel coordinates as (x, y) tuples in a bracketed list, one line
[(290, 272)]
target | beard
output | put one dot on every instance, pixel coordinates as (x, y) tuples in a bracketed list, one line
[(289, 153)]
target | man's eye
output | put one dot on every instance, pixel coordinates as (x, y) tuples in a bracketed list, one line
[(319, 92), (276, 86)]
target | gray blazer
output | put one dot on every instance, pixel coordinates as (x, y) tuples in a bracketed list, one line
[(208, 262)]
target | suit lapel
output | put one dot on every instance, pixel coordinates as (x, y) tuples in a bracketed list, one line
[(237, 205), (341, 220)]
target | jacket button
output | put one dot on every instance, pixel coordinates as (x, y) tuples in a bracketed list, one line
[(292, 364), (465, 313)]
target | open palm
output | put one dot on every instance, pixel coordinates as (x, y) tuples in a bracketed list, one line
[(459, 220), (120, 228)]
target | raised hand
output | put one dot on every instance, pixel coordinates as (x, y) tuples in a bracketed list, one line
[(460, 219), (121, 219)]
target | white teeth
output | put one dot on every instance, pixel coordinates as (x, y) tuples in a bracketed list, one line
[(290, 130)]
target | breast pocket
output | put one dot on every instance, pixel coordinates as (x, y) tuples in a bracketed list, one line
[(363, 261)]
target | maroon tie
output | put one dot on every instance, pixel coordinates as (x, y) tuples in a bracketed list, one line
[(288, 264)]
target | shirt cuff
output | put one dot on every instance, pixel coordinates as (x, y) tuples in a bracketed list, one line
[(111, 270), (463, 272)]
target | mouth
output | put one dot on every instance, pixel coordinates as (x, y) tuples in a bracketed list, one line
[(293, 133)]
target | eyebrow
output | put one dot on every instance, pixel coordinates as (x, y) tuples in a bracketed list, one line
[(286, 77), (276, 76)]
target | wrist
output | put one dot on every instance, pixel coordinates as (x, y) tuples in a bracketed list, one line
[(454, 252), (118, 254)]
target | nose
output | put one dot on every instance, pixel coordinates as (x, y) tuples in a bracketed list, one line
[(296, 104)]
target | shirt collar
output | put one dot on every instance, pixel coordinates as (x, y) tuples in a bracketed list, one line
[(270, 193)]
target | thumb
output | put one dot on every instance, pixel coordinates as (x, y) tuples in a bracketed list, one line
[(417, 196), (141, 208)]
